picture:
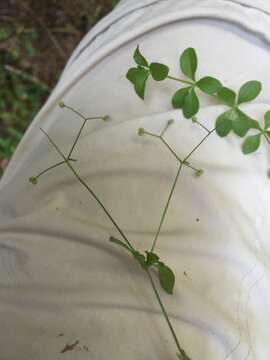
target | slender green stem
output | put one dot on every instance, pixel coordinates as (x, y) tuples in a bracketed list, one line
[(171, 150), (164, 313), (199, 144), (52, 167), (165, 128), (173, 187), (81, 129), (201, 125), (89, 190), (180, 80), (167, 205), (75, 112), (101, 204), (77, 138)]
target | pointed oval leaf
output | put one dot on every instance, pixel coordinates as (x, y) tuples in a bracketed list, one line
[(209, 85), (166, 278), (132, 75), (191, 104), (139, 58), (241, 123), (138, 78), (249, 91), (251, 144), (179, 98), (189, 62), (267, 120), (159, 71), (223, 124), (226, 95)]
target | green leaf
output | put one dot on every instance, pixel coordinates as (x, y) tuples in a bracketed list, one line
[(166, 278), (138, 77), (254, 124), (140, 258), (227, 95), (189, 62), (223, 124), (267, 120), (119, 242), (139, 58), (241, 123), (251, 144), (209, 85), (191, 104), (159, 71), (179, 98), (249, 91), (151, 258)]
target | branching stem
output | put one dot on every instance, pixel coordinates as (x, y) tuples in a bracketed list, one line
[(164, 313), (67, 161)]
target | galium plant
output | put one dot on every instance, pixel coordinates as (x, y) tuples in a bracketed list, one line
[(186, 98)]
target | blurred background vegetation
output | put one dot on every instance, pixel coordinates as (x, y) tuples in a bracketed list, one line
[(36, 40)]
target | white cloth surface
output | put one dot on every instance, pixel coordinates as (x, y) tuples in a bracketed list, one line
[(61, 280)]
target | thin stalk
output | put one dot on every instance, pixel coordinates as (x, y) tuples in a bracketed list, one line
[(76, 140), (199, 144), (180, 80), (203, 126), (89, 190), (81, 128), (173, 187), (167, 205), (171, 150), (165, 313), (75, 111), (52, 167)]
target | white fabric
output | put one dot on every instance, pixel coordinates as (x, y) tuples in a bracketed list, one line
[(61, 281)]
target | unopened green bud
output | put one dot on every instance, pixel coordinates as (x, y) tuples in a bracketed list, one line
[(61, 104), (141, 131), (194, 119), (106, 118), (198, 172), (170, 122), (33, 180)]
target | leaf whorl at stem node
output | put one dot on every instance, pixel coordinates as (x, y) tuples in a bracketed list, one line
[(232, 120)]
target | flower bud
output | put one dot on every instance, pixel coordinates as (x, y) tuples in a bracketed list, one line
[(61, 104), (141, 131), (199, 172), (170, 122), (33, 180), (106, 118)]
